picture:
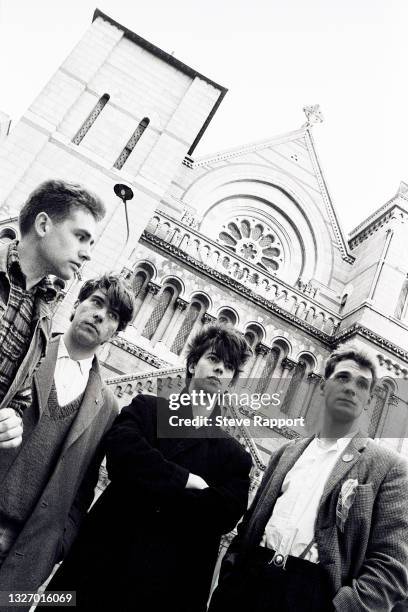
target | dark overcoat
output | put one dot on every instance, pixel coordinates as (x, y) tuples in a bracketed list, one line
[(53, 525), (149, 543)]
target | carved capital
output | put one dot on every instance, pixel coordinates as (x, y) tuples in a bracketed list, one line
[(288, 364), (314, 378), (207, 318), (181, 304), (393, 400), (126, 273), (262, 349), (153, 288)]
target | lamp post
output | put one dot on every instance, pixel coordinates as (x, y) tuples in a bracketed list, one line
[(125, 193)]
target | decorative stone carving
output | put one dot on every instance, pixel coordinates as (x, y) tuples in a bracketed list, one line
[(313, 115), (262, 349), (189, 219), (254, 241), (288, 364), (153, 288), (181, 304), (306, 287)]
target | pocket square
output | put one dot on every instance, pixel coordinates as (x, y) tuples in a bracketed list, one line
[(345, 501)]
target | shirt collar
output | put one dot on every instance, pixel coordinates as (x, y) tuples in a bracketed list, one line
[(338, 445), (44, 287), (84, 364)]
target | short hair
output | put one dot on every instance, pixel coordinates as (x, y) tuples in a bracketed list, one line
[(229, 346), (58, 199), (118, 292), (354, 353)]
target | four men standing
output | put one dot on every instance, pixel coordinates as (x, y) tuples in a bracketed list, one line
[(328, 528)]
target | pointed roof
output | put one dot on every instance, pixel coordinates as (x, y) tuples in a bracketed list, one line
[(304, 155), (399, 200)]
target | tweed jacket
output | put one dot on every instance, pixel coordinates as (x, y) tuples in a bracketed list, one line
[(48, 534), (366, 558), (40, 336)]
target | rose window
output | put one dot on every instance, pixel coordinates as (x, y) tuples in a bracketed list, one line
[(254, 241)]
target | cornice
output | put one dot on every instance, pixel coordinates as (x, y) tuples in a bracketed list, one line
[(361, 330), (297, 289), (123, 378), (385, 215), (137, 351), (243, 150)]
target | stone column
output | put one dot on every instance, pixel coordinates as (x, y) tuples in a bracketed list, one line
[(261, 350), (147, 306), (313, 381), (175, 322), (287, 366)]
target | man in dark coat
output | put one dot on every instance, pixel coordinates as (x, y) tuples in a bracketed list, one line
[(151, 541), (47, 483), (328, 528)]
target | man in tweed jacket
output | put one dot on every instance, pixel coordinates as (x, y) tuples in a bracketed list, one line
[(328, 528)]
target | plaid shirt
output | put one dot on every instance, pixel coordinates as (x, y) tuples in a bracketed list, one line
[(17, 323)]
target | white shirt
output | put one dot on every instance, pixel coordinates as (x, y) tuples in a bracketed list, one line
[(70, 376), (291, 526)]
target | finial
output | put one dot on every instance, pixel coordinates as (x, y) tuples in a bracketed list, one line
[(313, 115)]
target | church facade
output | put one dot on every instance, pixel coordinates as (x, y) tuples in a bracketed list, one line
[(248, 237)]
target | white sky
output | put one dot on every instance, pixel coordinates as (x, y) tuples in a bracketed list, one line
[(274, 56)]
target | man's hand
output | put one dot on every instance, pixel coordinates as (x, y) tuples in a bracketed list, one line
[(11, 428), (196, 482)]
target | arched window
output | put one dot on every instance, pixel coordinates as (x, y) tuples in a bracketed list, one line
[(268, 369), (254, 334), (100, 105), (227, 317), (199, 305), (138, 282), (343, 303), (381, 394), (142, 276), (137, 134), (156, 316), (401, 309)]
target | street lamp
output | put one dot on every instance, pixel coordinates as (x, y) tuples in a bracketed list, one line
[(124, 193)]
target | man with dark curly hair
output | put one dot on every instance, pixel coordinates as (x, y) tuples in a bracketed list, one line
[(47, 483), (151, 541)]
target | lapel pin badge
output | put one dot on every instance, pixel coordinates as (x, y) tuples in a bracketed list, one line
[(347, 457)]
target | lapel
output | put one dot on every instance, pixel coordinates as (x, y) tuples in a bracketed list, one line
[(43, 378), (189, 436), (288, 459), (341, 467), (92, 403)]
